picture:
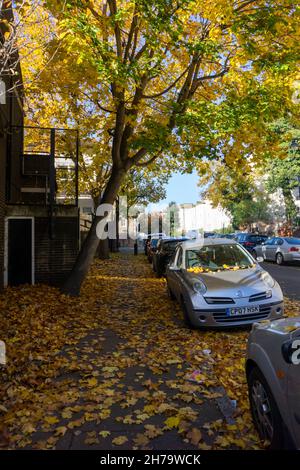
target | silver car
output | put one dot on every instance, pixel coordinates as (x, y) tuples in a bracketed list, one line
[(273, 375), (279, 249), (218, 283)]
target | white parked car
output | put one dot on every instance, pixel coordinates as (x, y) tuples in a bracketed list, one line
[(279, 249)]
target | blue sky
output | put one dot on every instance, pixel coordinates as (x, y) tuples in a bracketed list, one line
[(182, 188)]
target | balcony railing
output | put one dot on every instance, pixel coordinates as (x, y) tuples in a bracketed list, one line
[(42, 166)]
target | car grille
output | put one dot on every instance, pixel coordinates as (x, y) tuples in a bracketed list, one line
[(221, 317), (258, 297), (219, 300)]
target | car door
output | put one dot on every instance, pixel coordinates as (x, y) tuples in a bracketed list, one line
[(294, 389), (267, 248), (278, 242)]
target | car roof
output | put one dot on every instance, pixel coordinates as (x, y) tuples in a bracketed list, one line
[(199, 243)]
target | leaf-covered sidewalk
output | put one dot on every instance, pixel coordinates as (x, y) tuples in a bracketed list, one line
[(110, 369)]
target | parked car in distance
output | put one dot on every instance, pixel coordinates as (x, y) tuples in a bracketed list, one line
[(273, 375), (230, 236), (209, 234), (151, 248), (148, 238), (279, 249), (163, 254), (250, 240), (218, 284)]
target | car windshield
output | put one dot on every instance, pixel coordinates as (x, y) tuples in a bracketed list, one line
[(293, 241), (218, 257)]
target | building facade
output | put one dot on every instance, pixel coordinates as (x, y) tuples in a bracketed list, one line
[(39, 215)]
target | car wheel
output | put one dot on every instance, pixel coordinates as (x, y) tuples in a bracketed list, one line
[(187, 319), (170, 293), (279, 259), (264, 409)]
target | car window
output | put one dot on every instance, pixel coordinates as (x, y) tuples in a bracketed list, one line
[(270, 241), (278, 241), (179, 258), (154, 242), (293, 241)]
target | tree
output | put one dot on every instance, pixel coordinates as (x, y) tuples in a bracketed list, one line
[(154, 72), (237, 192), (17, 46), (284, 171)]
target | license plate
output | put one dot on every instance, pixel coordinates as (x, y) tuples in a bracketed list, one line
[(231, 312)]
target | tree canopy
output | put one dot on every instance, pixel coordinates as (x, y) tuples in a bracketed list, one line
[(161, 83)]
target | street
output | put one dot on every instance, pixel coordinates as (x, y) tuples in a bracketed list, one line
[(288, 276), (117, 369)]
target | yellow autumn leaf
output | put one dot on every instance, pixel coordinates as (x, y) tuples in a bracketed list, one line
[(118, 441), (172, 422), (51, 419)]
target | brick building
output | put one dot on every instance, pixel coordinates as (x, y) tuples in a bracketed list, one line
[(39, 216)]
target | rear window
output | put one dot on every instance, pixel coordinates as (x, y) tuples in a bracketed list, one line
[(255, 238), (293, 241)]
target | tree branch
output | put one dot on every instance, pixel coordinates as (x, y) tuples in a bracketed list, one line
[(156, 95)]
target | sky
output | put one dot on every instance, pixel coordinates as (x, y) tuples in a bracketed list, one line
[(180, 189)]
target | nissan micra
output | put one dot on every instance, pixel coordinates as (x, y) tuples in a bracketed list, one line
[(218, 283)]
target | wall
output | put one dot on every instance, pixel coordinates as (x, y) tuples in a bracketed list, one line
[(56, 254), (54, 257)]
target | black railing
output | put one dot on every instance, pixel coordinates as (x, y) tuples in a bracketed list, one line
[(42, 166)]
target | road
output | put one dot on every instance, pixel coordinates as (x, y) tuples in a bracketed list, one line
[(288, 276)]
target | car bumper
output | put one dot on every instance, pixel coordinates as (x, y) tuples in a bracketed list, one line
[(218, 317), (290, 257)]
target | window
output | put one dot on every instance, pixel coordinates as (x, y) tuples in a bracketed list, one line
[(179, 258), (217, 257), (293, 241), (270, 241)]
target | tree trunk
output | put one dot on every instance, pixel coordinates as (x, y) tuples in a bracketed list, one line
[(103, 249), (88, 250)]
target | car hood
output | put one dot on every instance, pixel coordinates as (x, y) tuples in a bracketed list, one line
[(241, 283)]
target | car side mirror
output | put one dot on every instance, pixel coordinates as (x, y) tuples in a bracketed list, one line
[(259, 259)]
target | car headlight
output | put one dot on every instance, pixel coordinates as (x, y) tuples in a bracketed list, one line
[(268, 280), (199, 286)]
